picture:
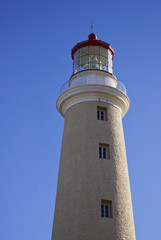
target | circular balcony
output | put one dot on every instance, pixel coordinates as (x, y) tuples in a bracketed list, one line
[(93, 78)]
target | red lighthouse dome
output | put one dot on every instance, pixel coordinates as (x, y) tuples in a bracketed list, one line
[(92, 54)]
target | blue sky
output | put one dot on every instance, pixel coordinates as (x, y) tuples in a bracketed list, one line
[(35, 44)]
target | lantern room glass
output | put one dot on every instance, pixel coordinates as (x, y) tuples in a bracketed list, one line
[(93, 57)]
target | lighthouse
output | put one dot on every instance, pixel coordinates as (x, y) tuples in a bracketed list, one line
[(93, 200)]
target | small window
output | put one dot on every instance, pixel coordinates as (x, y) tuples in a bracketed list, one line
[(106, 209), (101, 113), (104, 151)]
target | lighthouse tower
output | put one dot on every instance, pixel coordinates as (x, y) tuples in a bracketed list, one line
[(93, 199)]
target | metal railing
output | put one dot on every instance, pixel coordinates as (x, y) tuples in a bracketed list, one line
[(120, 86)]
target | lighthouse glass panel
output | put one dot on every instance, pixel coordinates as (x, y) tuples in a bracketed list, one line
[(92, 57)]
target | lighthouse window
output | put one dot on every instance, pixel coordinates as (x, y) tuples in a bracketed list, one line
[(92, 57), (106, 208), (83, 51), (94, 50), (93, 62), (103, 61), (76, 64), (101, 113), (84, 62), (103, 52), (76, 55), (104, 151)]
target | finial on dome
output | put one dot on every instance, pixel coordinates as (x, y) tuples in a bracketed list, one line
[(92, 36)]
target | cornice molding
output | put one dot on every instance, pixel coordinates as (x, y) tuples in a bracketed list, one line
[(92, 92)]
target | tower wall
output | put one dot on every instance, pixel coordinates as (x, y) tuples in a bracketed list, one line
[(85, 179)]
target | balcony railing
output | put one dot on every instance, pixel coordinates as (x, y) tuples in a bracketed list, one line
[(120, 86)]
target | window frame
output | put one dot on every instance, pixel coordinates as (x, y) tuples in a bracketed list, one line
[(106, 208), (104, 151), (101, 113)]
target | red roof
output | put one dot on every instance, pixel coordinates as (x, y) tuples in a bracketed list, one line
[(92, 41)]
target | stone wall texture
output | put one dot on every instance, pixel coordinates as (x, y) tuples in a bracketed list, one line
[(85, 179)]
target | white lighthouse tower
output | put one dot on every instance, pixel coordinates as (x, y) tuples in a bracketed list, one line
[(93, 194)]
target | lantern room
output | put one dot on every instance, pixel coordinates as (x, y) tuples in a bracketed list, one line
[(92, 65), (92, 54)]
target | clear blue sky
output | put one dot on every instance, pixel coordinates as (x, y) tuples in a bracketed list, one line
[(35, 44)]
